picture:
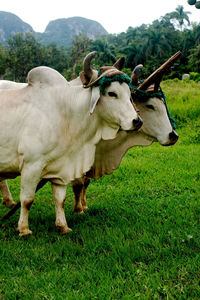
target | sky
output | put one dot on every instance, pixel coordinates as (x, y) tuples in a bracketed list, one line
[(115, 16)]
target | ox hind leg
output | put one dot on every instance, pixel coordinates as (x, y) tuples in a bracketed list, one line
[(7, 197), (59, 196), (30, 177), (83, 196), (79, 188)]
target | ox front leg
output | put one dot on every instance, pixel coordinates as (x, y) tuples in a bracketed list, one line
[(59, 196), (30, 178), (7, 197)]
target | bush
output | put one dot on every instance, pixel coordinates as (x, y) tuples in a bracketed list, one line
[(195, 76)]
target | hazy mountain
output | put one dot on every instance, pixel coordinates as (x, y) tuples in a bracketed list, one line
[(60, 31), (11, 24), (63, 31)]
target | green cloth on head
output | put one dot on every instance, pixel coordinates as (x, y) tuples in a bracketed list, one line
[(145, 95), (105, 81)]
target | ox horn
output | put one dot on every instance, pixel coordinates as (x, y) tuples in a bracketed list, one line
[(156, 76), (136, 74), (119, 64), (87, 70)]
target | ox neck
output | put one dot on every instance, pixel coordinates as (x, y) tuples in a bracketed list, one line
[(81, 123)]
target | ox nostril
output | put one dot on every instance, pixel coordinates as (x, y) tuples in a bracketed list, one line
[(137, 123), (173, 136)]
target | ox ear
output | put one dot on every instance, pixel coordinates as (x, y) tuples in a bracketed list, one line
[(94, 99)]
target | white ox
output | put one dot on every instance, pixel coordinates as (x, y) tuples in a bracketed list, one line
[(11, 85), (49, 130), (156, 128)]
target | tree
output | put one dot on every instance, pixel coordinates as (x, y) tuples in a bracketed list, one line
[(54, 57), (194, 59), (180, 15), (81, 45), (105, 50), (133, 54), (156, 43), (24, 53), (3, 58)]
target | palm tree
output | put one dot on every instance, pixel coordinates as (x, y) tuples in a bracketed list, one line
[(78, 50), (105, 51), (180, 15), (156, 43), (133, 54)]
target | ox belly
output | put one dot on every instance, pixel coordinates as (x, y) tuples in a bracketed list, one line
[(9, 156), (70, 166)]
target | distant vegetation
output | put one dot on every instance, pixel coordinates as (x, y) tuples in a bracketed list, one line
[(149, 45)]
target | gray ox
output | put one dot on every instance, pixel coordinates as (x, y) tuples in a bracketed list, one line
[(156, 128), (49, 130)]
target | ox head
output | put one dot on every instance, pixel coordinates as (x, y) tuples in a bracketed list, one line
[(110, 90), (150, 100)]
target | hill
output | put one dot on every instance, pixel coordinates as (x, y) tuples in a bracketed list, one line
[(11, 24), (63, 31), (60, 31)]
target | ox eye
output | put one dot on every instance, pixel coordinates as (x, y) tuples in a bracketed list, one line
[(112, 94), (150, 106)]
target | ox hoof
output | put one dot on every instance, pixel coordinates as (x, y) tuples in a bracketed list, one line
[(25, 232), (63, 229), (85, 208), (79, 210), (9, 203)]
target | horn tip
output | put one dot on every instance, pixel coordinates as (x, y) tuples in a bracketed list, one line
[(138, 68), (93, 53)]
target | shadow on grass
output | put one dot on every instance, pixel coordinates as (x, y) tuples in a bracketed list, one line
[(42, 221)]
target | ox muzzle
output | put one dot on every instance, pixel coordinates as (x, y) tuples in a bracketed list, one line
[(137, 123), (173, 138)]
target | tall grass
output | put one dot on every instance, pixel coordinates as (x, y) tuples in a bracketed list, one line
[(183, 98), (140, 238)]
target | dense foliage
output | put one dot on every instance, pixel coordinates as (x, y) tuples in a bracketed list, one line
[(150, 45)]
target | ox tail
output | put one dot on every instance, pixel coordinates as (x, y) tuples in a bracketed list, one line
[(12, 211), (41, 184)]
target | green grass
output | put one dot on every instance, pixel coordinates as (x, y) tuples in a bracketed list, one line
[(140, 238), (183, 98)]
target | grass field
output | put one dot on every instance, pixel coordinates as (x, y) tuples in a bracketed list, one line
[(140, 238)]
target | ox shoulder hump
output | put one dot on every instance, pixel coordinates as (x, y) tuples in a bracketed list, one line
[(45, 76)]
